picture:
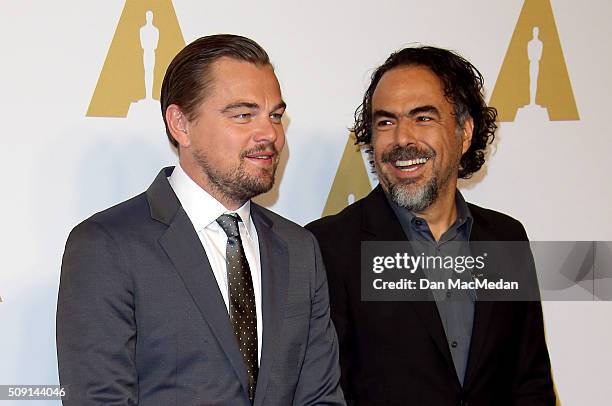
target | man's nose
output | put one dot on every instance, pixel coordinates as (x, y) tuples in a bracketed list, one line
[(267, 130), (405, 133)]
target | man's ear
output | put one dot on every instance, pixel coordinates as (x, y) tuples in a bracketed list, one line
[(466, 134), (178, 125)]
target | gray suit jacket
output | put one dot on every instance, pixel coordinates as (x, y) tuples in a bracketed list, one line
[(141, 320)]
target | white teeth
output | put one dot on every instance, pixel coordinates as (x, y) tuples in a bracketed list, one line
[(411, 162)]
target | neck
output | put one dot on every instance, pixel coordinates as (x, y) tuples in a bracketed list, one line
[(442, 213), (229, 204), (200, 178)]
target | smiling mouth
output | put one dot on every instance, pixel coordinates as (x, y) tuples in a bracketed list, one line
[(263, 158), (410, 165)]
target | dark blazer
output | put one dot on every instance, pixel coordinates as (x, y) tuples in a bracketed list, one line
[(141, 320), (396, 353)]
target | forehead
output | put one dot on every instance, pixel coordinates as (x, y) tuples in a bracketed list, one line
[(408, 86), (234, 79)]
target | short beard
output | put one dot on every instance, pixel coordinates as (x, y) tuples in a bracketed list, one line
[(414, 200), (405, 193), (237, 186)]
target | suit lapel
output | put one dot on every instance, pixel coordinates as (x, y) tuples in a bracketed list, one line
[(381, 224), (183, 247), (274, 257)]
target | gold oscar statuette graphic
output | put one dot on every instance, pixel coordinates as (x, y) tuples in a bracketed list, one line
[(147, 37), (533, 81), (351, 182)]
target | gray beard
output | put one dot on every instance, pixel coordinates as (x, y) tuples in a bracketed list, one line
[(416, 200), (235, 187)]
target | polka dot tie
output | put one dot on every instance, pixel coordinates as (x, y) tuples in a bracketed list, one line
[(241, 297)]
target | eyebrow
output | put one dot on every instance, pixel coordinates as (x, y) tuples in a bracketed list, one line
[(249, 105), (239, 105), (424, 109), (415, 111), (281, 105), (384, 113)]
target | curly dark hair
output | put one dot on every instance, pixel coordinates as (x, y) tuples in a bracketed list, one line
[(463, 88)]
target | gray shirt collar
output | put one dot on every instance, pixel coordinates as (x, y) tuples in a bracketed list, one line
[(410, 220)]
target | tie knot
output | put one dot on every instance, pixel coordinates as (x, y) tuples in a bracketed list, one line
[(229, 224)]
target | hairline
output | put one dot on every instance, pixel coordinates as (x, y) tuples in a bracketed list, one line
[(210, 79)]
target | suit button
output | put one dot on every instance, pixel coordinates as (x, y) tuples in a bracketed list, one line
[(454, 345)]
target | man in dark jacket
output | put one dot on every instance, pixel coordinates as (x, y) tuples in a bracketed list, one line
[(425, 118)]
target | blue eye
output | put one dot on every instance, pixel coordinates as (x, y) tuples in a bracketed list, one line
[(276, 117), (242, 118)]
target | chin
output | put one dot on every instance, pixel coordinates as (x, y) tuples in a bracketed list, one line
[(259, 186)]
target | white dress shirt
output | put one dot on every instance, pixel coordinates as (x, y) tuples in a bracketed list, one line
[(203, 211)]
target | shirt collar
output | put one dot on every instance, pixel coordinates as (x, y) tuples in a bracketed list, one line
[(464, 216), (201, 208)]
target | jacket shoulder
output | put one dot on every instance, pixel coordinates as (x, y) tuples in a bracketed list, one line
[(282, 224), (348, 220), (129, 217), (497, 224)]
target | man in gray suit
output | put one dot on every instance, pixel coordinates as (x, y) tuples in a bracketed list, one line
[(189, 293)]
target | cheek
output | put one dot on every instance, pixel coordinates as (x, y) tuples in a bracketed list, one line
[(280, 141), (379, 144)]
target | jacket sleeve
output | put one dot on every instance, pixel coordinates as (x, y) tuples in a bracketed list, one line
[(319, 381), (533, 384), (339, 310), (96, 327)]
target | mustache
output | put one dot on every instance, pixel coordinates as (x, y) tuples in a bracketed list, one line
[(404, 154), (260, 148)]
